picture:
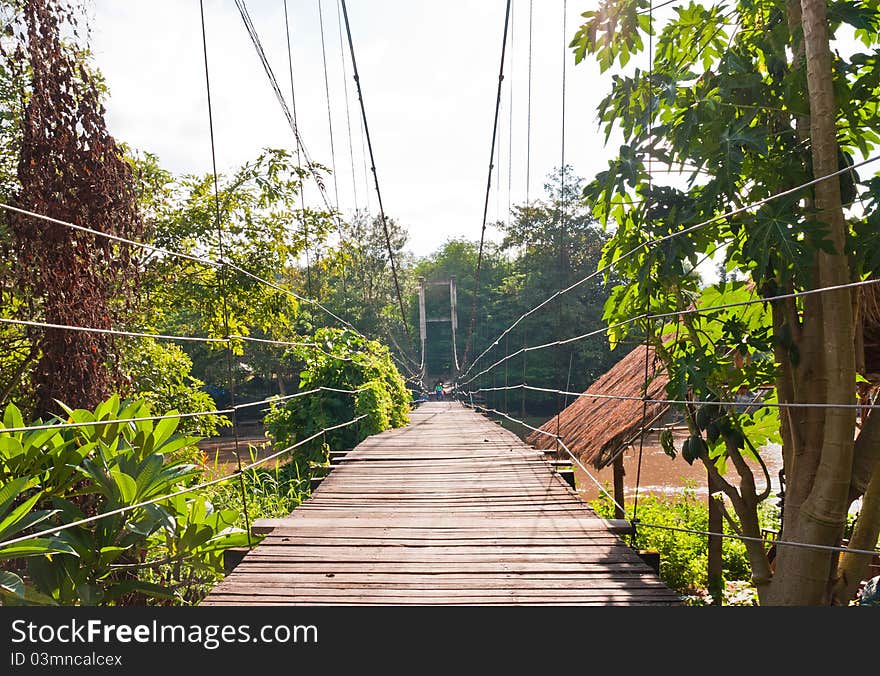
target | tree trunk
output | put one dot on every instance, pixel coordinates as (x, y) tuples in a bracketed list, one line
[(619, 496), (854, 567), (803, 575), (715, 567)]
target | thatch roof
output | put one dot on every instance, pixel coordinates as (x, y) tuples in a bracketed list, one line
[(869, 307), (595, 429)]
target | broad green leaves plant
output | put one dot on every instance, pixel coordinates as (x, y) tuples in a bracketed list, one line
[(58, 476)]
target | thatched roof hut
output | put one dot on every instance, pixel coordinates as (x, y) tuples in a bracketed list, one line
[(594, 428), (869, 307)]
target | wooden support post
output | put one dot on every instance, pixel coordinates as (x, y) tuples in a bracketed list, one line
[(619, 473), (715, 564)]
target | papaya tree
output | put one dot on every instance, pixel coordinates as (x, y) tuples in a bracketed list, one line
[(748, 103)]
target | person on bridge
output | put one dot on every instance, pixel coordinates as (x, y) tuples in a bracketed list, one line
[(438, 390)]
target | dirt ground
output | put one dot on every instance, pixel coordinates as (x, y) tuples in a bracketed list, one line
[(220, 451)]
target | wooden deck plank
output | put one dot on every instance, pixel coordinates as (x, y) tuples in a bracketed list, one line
[(450, 510)]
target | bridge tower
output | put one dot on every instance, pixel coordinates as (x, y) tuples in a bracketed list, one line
[(452, 318)]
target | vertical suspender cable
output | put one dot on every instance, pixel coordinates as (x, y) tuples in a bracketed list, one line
[(510, 125), (302, 197), (347, 106), (473, 318), (329, 110), (529, 108), (562, 204), (357, 81), (222, 277), (635, 518)]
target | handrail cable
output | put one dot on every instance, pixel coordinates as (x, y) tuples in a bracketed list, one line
[(190, 489), (676, 313), (198, 259), (675, 402), (664, 238), (171, 416), (743, 538)]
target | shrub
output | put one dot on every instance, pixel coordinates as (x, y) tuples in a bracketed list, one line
[(342, 360), (683, 556), (58, 476)]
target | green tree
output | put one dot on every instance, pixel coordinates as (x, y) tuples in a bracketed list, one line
[(559, 242), (357, 282), (69, 168), (738, 97), (263, 235)]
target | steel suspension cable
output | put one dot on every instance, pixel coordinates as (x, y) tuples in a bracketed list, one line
[(384, 220), (660, 240), (302, 196), (347, 107), (285, 109), (329, 109), (222, 278), (473, 317), (742, 538)]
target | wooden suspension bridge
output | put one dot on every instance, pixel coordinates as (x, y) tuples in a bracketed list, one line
[(450, 510)]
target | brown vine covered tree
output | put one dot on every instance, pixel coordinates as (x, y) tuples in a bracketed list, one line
[(71, 169)]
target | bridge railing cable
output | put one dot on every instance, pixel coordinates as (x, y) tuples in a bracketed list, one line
[(217, 263), (644, 524), (751, 404), (268, 401), (672, 315), (184, 491), (659, 240)]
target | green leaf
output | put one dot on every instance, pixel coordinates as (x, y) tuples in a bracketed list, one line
[(10, 523), (127, 486), (36, 547), (11, 583), (108, 555), (12, 417)]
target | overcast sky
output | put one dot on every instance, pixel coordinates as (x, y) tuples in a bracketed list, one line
[(429, 73)]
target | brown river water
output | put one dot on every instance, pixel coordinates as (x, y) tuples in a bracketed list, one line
[(661, 475)]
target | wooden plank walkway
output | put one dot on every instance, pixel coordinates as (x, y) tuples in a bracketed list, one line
[(450, 510)]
